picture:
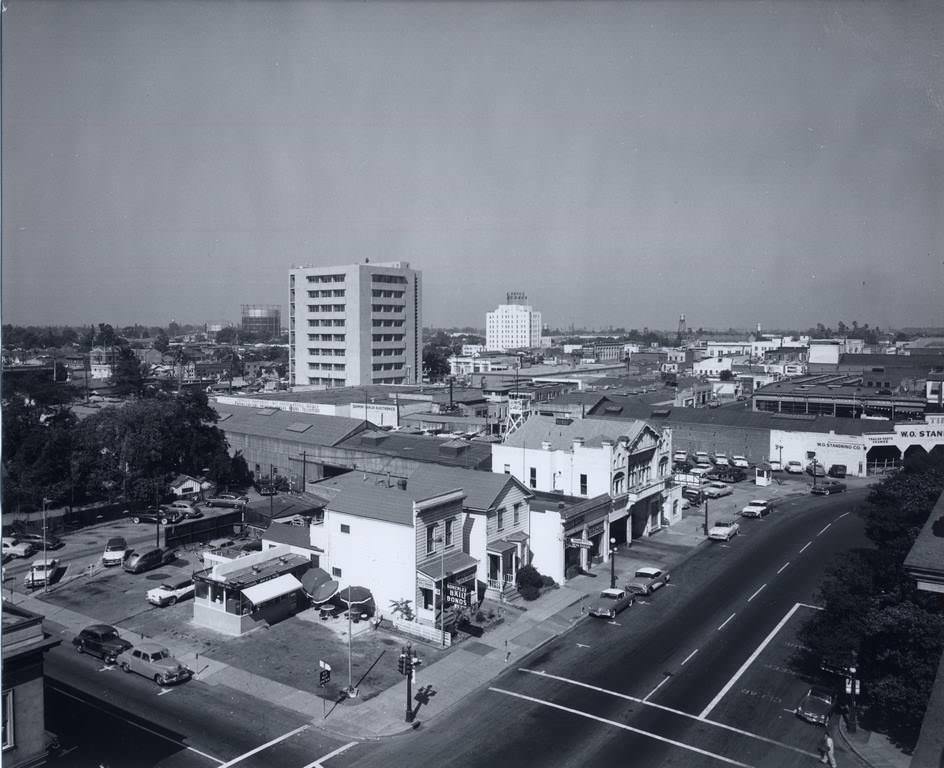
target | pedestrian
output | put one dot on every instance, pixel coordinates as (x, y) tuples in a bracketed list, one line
[(827, 749)]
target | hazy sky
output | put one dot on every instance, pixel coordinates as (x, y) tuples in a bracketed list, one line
[(619, 162)]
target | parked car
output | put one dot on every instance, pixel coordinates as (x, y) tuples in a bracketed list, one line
[(740, 461), (647, 580), (715, 490), (775, 466), (680, 457), (727, 475), (227, 500), (837, 470), (724, 530), (826, 487), (794, 467), (100, 640), (15, 548), (52, 542), (702, 457), (756, 508), (816, 470), (156, 514), (721, 460), (138, 562), (41, 572), (816, 706), (154, 662), (714, 403), (185, 508), (694, 495), (115, 550), (170, 592), (610, 603), (266, 489)]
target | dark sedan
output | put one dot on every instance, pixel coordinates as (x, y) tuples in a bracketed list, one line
[(100, 640), (826, 487), (816, 706), (153, 515), (36, 539)]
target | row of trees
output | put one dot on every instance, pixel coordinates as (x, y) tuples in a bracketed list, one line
[(874, 612), (133, 450)]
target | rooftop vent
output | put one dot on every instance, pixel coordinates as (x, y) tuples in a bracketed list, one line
[(563, 421)]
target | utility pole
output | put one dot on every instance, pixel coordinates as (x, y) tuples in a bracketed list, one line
[(612, 563), (45, 563), (405, 665), (304, 465), (853, 689), (706, 516), (271, 488)]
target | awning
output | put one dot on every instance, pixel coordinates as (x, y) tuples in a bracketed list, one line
[(502, 546), (314, 578), (325, 592), (517, 536), (457, 562), (269, 590)]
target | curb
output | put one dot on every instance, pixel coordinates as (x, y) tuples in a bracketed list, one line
[(848, 743)]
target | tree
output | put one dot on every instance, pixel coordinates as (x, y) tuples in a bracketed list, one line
[(161, 343), (127, 378), (726, 376), (435, 363)]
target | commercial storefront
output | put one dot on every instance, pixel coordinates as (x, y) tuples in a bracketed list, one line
[(452, 575)]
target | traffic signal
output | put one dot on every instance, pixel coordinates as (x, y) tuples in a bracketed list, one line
[(403, 664), (324, 677)]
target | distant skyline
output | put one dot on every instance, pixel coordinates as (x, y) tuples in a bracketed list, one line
[(620, 163)]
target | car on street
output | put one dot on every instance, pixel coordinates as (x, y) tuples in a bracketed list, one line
[(139, 562), (694, 495), (724, 530), (41, 572), (827, 487), (52, 542), (185, 508), (155, 514), (115, 550), (816, 706), (610, 603), (721, 460), (170, 592), (101, 640), (756, 508), (716, 489), (647, 580), (837, 470), (16, 548), (816, 470), (794, 467), (154, 662), (227, 500)]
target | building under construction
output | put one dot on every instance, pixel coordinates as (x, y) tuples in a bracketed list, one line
[(262, 320)]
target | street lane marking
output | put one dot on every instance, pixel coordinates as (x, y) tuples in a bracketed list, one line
[(138, 725), (725, 622), (688, 658), (614, 623), (262, 747), (165, 690), (805, 546), (814, 607), (649, 695), (319, 763), (582, 645), (756, 593), (750, 660), (842, 515), (679, 712), (783, 567), (625, 727), (825, 529)]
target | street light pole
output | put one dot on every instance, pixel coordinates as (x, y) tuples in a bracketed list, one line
[(706, 516), (45, 564), (780, 448), (612, 563), (442, 587)]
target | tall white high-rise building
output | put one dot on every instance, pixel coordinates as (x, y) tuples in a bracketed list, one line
[(512, 326), (355, 324)]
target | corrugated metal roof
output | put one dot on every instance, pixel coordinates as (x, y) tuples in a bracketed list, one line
[(271, 422), (473, 453)]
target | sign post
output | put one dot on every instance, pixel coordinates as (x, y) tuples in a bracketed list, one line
[(323, 677)]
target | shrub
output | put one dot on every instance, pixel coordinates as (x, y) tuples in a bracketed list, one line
[(529, 591), (480, 616), (571, 571), (548, 582), (529, 577)]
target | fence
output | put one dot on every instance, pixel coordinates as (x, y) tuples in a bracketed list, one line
[(203, 530), (422, 631)]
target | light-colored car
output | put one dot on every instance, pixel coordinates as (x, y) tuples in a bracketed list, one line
[(227, 500), (115, 550), (794, 468), (775, 466), (154, 662), (756, 508), (724, 530), (680, 457), (15, 548), (715, 490), (186, 509), (170, 592), (41, 571), (702, 457), (610, 603), (647, 580), (721, 460), (740, 461)]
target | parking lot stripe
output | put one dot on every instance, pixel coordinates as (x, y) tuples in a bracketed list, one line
[(805, 546), (625, 727), (723, 623), (137, 725), (760, 589), (750, 660), (319, 763), (842, 515), (265, 746), (783, 567), (652, 692), (824, 529), (679, 712), (688, 658)]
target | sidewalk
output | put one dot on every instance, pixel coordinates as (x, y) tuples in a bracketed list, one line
[(472, 664), (873, 749)]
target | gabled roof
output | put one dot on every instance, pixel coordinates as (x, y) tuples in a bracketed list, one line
[(456, 453), (561, 432), (482, 490), (307, 428)]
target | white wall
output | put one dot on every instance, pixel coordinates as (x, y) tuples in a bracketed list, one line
[(557, 470), (830, 449), (478, 543), (547, 546)]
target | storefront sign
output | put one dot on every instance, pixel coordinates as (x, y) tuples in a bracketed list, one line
[(847, 446), (595, 529), (926, 435), (580, 543), (458, 594)]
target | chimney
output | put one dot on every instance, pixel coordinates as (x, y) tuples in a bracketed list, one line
[(545, 445), (401, 483), (388, 479), (578, 443)]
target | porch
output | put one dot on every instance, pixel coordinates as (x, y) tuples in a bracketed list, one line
[(505, 557)]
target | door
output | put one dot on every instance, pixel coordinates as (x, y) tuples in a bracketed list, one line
[(493, 567)]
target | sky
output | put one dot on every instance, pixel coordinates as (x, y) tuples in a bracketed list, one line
[(621, 163)]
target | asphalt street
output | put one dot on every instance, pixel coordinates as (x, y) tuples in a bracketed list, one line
[(685, 678)]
